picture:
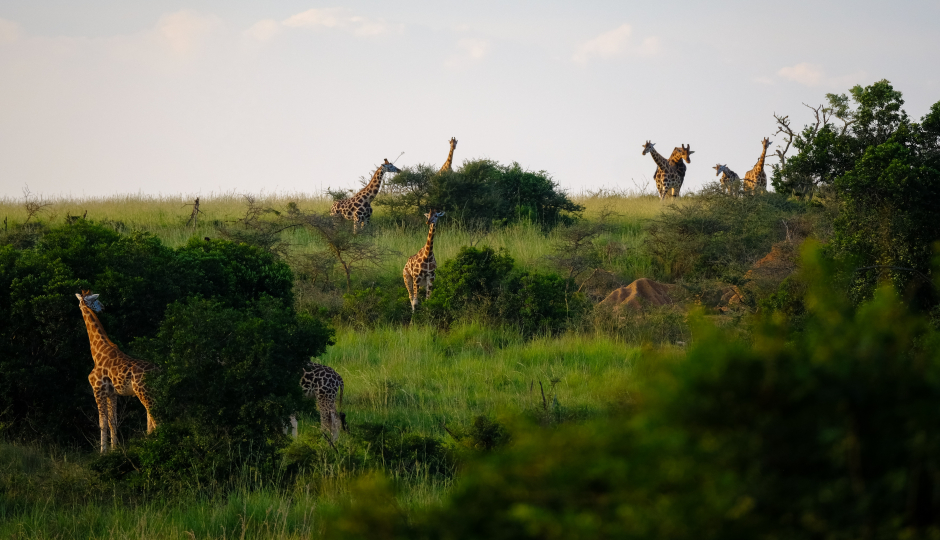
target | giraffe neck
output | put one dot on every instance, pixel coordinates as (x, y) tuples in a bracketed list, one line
[(659, 159), (450, 159), (97, 337), (429, 246), (372, 189), (676, 157), (760, 162)]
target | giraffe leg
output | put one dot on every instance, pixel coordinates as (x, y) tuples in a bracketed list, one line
[(144, 398), (429, 282), (112, 419), (411, 286), (102, 402)]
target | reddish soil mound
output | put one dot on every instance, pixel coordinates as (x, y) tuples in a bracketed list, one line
[(640, 293), (776, 265)]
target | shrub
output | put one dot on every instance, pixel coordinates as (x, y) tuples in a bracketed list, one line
[(482, 283), (718, 236), (232, 372), (480, 192)]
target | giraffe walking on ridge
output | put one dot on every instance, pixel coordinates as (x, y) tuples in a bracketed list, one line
[(729, 179), (756, 179), (323, 383), (358, 208), (115, 373), (670, 173), (421, 267), (450, 157)]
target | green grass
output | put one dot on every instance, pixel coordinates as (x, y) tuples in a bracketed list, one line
[(415, 378), (166, 217)]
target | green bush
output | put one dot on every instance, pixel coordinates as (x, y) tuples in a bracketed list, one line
[(44, 348), (826, 433), (482, 283), (718, 236), (232, 372), (480, 192)]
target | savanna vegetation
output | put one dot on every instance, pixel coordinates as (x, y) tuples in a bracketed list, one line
[(791, 388)]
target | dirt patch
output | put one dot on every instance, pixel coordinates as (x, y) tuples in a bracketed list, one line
[(642, 292)]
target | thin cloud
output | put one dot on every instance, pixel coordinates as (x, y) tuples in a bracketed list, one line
[(803, 73), (9, 31), (814, 75), (185, 30), (616, 42), (340, 19), (263, 30)]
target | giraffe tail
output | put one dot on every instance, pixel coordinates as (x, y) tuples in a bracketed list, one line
[(339, 402)]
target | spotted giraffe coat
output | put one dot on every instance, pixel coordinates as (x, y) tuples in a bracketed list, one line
[(358, 208), (729, 179), (115, 373), (450, 156), (324, 384), (755, 180), (421, 267)]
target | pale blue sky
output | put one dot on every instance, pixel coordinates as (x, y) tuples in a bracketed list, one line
[(98, 98)]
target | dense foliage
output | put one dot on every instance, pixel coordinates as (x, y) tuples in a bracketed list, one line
[(482, 283), (718, 236), (884, 170), (44, 350), (223, 369), (481, 192), (828, 433)]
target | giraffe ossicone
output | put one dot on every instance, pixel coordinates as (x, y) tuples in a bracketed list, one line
[(358, 208), (115, 373), (421, 267)]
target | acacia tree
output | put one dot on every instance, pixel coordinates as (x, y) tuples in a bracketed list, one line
[(884, 171)]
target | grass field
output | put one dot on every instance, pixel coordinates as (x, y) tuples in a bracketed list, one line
[(416, 378)]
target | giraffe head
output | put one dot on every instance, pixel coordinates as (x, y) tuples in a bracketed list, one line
[(685, 151), (766, 142), (720, 168), (648, 147), (432, 216), (453, 143), (89, 300), (390, 167)]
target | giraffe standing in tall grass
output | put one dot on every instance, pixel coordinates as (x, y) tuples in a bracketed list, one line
[(421, 267), (358, 208)]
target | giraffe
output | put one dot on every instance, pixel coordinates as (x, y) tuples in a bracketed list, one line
[(115, 373), (421, 267), (669, 173), (358, 208), (756, 179), (323, 383), (450, 157), (729, 178)]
